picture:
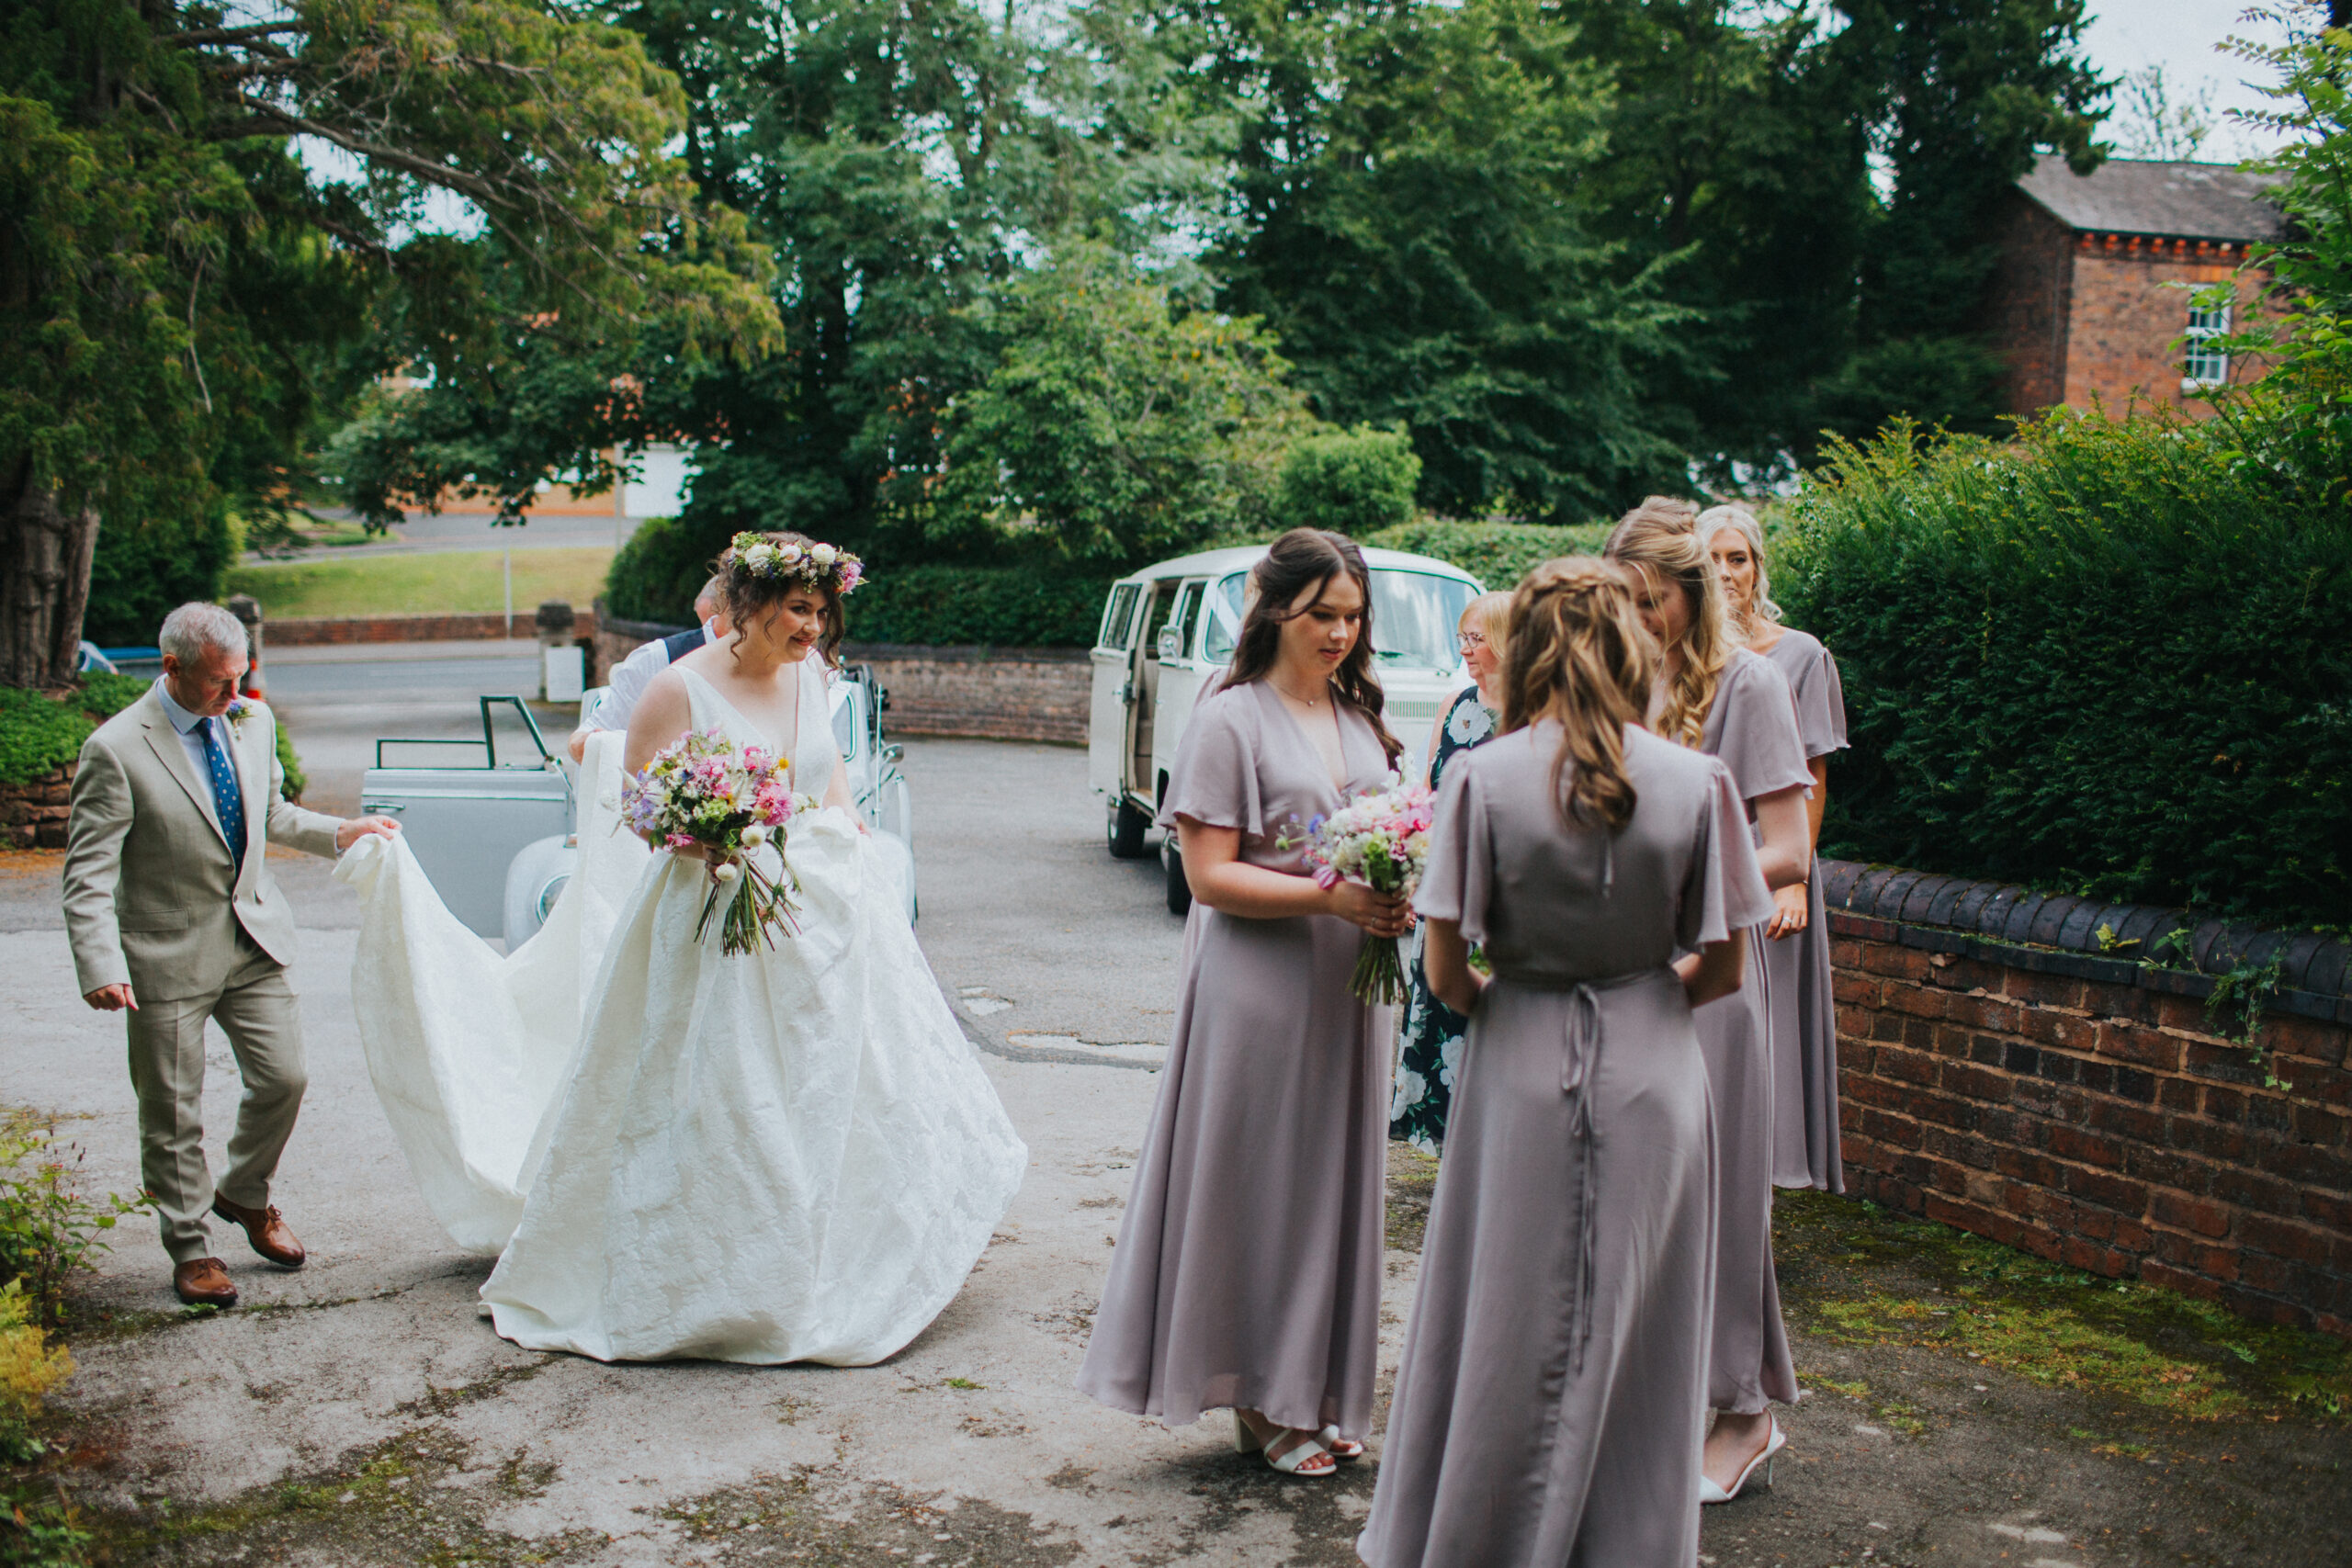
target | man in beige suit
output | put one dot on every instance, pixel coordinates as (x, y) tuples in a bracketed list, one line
[(173, 916)]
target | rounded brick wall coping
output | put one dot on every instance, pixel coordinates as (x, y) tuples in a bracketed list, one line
[(2059, 933)]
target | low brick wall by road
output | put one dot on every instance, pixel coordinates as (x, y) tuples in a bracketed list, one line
[(2003, 1074), (32, 815), (996, 694), (301, 632)]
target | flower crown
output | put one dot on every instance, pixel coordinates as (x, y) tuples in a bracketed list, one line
[(820, 566)]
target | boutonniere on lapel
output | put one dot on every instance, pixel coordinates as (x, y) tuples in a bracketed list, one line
[(238, 712)]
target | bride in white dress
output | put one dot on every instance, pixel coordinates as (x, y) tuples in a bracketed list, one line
[(786, 1155)]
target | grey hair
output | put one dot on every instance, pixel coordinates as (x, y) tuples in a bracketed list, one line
[(189, 630), (1714, 521)]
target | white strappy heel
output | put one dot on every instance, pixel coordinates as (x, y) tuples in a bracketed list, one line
[(1711, 1493), (1294, 1460)]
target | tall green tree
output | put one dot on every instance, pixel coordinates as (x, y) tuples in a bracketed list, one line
[(1414, 220), (1963, 94), (180, 290)]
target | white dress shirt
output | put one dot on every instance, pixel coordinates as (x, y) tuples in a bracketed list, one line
[(191, 733), (629, 679)]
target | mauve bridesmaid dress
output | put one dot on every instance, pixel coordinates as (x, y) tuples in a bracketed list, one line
[(1806, 1150), (1248, 1264), (1752, 726), (1551, 1403)]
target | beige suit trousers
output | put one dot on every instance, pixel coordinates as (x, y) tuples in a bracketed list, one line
[(257, 1009)]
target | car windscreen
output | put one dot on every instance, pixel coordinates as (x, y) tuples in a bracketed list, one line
[(1414, 615)]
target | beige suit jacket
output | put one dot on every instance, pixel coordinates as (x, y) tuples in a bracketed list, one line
[(149, 891)]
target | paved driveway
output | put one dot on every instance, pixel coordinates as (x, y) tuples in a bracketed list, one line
[(359, 1412)]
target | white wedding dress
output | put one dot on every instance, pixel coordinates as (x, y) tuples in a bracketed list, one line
[(787, 1155)]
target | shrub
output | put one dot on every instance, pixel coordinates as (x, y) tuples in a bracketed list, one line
[(105, 695), (1003, 606), (656, 575), (29, 1367), (1350, 481), (297, 781), (2111, 655), (146, 568), (1496, 554), (49, 1228), (37, 733)]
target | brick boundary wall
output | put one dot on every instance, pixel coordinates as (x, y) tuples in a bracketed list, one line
[(32, 814), (995, 694), (318, 632), (2002, 1072)]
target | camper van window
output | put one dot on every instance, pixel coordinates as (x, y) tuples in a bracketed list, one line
[(1117, 628), (1413, 617)]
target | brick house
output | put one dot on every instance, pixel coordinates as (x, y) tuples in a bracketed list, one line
[(2094, 295)]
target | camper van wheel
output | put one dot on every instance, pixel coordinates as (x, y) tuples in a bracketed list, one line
[(1179, 892), (1126, 829)]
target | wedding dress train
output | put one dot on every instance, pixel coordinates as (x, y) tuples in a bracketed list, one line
[(790, 1155)]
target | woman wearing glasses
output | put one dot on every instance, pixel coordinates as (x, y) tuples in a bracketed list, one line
[(1433, 1031)]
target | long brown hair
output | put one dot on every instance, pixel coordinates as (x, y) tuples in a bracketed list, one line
[(1578, 654), (1661, 537), (745, 594), (1300, 560)]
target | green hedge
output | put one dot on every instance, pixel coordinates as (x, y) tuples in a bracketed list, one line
[(40, 731), (2106, 657), (1496, 554)]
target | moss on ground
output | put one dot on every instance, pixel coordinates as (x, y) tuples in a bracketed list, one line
[(1855, 1273)]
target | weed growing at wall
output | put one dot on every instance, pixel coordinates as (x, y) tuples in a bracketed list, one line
[(2109, 656)]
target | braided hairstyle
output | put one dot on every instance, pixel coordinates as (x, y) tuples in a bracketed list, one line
[(1578, 654), (1660, 539)]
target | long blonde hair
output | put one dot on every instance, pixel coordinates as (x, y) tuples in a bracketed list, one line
[(1714, 521), (1660, 536), (1578, 654)]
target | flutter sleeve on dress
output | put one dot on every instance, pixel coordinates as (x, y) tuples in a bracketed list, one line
[(1457, 877), (1724, 890), (1821, 704), (1216, 778), (1760, 742)]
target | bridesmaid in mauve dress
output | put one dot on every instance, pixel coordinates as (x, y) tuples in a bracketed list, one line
[(1551, 1401), (1248, 1265), (1724, 700), (1805, 1149)]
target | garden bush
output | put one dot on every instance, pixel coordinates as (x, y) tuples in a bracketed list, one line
[(1003, 606), (41, 730), (1350, 481), (2109, 656), (1496, 554)]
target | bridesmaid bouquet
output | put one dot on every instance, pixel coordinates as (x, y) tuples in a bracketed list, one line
[(731, 800), (1381, 838)]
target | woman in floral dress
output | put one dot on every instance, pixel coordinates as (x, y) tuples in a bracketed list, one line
[(1433, 1031)]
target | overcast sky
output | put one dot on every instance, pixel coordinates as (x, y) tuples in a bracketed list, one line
[(2180, 36)]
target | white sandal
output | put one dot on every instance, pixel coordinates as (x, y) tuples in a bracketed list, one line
[(1345, 1450), (1294, 1460)]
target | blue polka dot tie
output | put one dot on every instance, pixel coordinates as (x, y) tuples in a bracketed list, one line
[(226, 799)]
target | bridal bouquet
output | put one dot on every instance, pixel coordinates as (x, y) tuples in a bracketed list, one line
[(731, 800), (1381, 839)]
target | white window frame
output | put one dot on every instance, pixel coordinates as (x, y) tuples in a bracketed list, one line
[(2202, 366)]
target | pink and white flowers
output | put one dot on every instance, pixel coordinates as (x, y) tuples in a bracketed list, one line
[(1380, 838), (732, 801)]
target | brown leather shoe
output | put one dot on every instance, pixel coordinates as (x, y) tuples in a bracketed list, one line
[(204, 1281), (265, 1228)]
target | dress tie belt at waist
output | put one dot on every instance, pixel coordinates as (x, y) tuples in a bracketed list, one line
[(1580, 1046)]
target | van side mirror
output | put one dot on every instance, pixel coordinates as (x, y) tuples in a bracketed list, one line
[(1171, 644)]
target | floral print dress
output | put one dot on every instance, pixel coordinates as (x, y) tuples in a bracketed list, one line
[(1432, 1047)]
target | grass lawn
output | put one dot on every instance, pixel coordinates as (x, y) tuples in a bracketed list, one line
[(456, 583)]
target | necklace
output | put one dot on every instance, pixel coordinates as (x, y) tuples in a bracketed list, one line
[(1290, 696)]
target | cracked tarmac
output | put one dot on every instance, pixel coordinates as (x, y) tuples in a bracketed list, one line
[(359, 1412)]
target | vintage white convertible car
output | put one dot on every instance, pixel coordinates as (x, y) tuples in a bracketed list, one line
[(1170, 630), (497, 839)]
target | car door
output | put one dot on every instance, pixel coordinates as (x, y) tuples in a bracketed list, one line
[(1180, 676), (1114, 689), (465, 824)]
